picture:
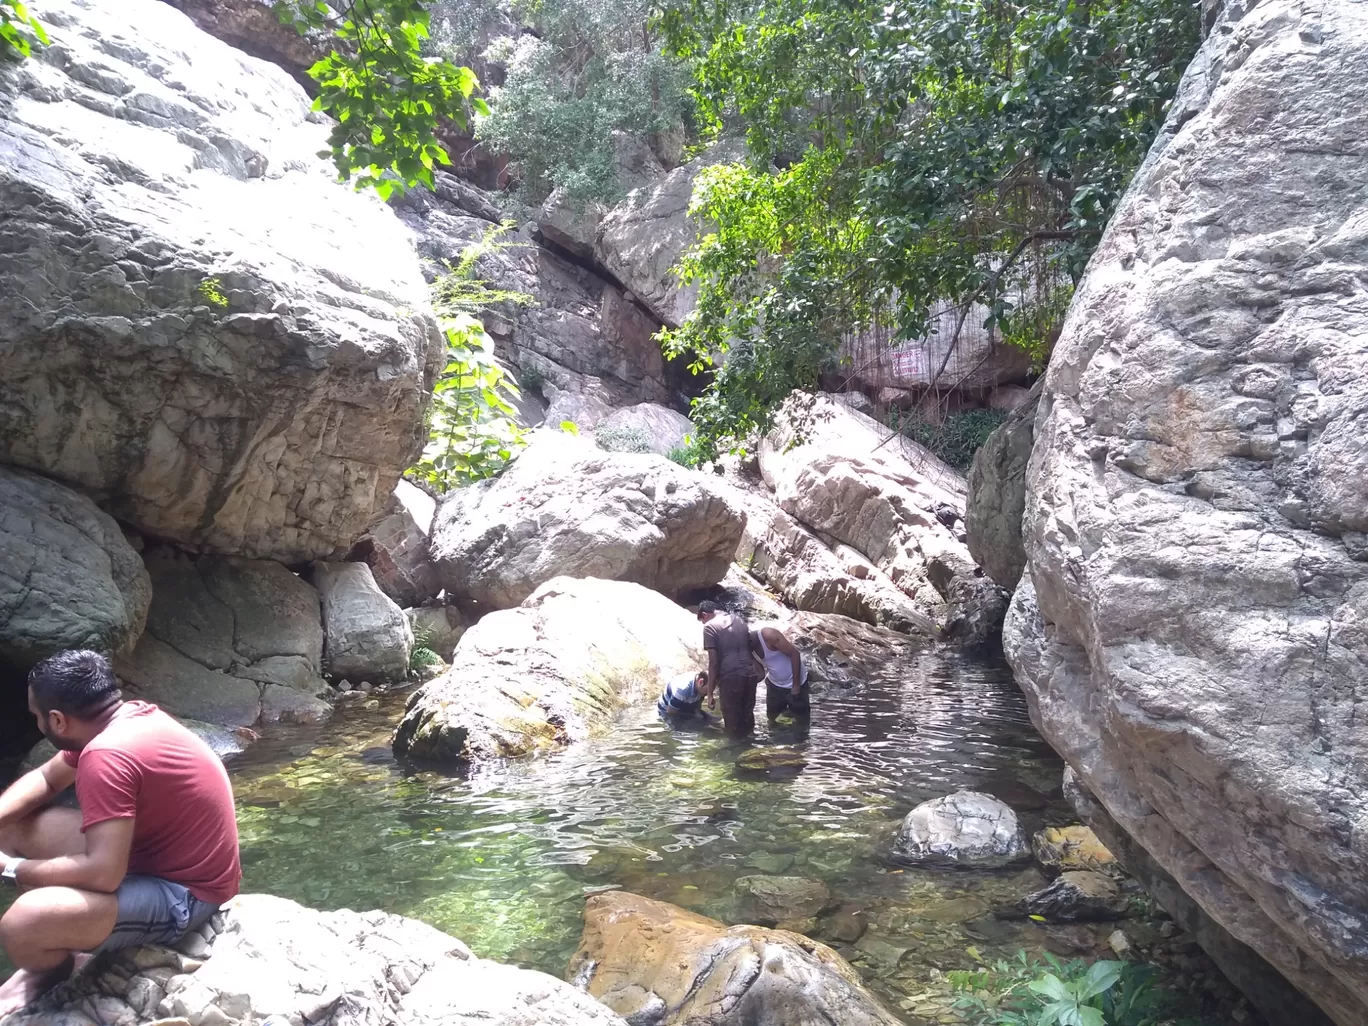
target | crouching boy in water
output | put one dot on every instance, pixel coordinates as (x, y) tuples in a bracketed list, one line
[(683, 698), (150, 856)]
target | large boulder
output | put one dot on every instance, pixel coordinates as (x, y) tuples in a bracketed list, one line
[(658, 965), (1190, 633), (660, 429), (222, 345), (365, 634), (567, 508), (229, 641), (966, 829), (997, 494), (396, 547), (269, 959), (551, 671), (849, 479)]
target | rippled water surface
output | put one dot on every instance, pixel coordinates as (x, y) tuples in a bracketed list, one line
[(503, 857)]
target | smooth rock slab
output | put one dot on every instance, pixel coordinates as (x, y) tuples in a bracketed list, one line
[(658, 965), (275, 959), (365, 633), (141, 162), (566, 508), (967, 829), (550, 672)]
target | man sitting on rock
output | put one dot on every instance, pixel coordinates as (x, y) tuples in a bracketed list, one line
[(731, 670), (683, 698), (785, 674), (150, 856)]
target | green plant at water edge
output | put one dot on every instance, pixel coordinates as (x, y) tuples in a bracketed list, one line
[(387, 97), (421, 657), (626, 439), (19, 30), (957, 438), (904, 156), (1026, 992), (211, 291), (472, 430)]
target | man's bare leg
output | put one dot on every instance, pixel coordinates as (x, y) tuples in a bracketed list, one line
[(40, 932)]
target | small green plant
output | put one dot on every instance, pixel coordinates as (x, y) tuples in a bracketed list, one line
[(19, 30), (530, 378), (956, 439), (211, 291), (623, 439), (687, 455), (1024, 992), (421, 657)]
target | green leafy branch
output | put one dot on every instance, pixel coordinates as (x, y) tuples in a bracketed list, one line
[(387, 98), (19, 30)]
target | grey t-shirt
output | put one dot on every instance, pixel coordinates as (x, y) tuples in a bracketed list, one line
[(729, 635)]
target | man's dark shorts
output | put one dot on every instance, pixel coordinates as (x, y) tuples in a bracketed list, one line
[(781, 700), (737, 695), (155, 911)]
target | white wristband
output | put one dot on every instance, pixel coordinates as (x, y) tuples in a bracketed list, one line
[(11, 869)]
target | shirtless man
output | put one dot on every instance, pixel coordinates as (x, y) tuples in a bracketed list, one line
[(153, 851)]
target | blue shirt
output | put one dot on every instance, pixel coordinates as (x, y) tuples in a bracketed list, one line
[(681, 697)]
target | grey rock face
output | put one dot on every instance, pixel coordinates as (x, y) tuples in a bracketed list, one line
[(966, 829), (997, 494), (567, 508), (365, 633), (1194, 642), (850, 482), (68, 577), (773, 899), (550, 672), (440, 627), (223, 634), (147, 169), (663, 429), (272, 959), (396, 548), (254, 27)]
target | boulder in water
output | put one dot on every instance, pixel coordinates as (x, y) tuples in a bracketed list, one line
[(269, 959), (365, 633), (764, 760), (997, 494), (550, 672), (567, 508), (1073, 897), (657, 964), (775, 899), (225, 345), (1073, 847), (966, 829)]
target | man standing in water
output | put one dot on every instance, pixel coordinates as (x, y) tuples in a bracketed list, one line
[(785, 674), (731, 672), (153, 851)]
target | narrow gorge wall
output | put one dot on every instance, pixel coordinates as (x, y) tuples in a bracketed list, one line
[(1192, 629)]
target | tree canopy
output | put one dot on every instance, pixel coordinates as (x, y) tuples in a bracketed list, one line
[(968, 151)]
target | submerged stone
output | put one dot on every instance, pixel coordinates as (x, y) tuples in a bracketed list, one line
[(1073, 847), (773, 899), (1076, 896), (760, 760), (966, 829)]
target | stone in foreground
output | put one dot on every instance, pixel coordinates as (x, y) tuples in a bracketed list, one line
[(550, 672), (200, 328), (775, 899), (967, 829), (658, 965), (273, 959), (1192, 629), (566, 508)]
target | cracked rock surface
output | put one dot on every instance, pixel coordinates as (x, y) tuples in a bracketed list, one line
[(1192, 629)]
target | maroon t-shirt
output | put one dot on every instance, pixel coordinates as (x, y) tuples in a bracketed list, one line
[(146, 766)]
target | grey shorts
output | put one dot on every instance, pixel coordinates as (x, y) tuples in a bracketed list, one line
[(155, 911)]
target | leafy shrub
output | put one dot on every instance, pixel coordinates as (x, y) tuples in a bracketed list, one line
[(623, 439), (19, 30), (958, 438), (531, 378), (421, 657), (687, 455)]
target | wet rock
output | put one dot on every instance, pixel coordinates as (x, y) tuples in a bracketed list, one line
[(770, 864), (437, 628), (1073, 847), (567, 508), (1192, 641), (846, 925), (886, 951), (365, 633), (231, 352), (658, 964), (764, 760), (965, 829), (772, 899), (278, 961), (550, 672), (396, 548), (1074, 896), (997, 494), (849, 481)]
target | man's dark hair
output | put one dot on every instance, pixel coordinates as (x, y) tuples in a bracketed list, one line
[(77, 682), (708, 606)]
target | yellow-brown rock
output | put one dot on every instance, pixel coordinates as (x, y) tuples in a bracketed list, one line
[(1076, 847), (659, 965)]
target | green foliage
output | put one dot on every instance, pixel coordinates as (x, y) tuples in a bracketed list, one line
[(423, 656), (531, 379), (388, 98), (961, 151), (211, 291), (623, 439), (590, 69), (686, 455), (19, 30), (472, 431), (1054, 993), (957, 438)]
